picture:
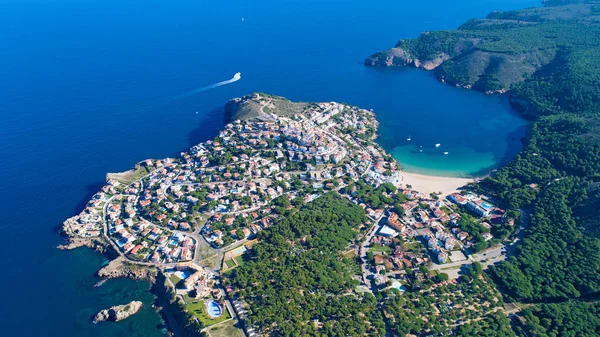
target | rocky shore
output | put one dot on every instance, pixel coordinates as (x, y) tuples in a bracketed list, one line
[(396, 57), (97, 244), (73, 241), (119, 312), (120, 268)]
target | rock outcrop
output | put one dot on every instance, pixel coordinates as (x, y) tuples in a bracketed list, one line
[(120, 268), (397, 57), (119, 312), (259, 106), (73, 241)]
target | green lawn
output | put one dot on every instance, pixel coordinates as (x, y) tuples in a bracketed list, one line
[(380, 248), (240, 260), (411, 246), (174, 279), (230, 263), (198, 309)]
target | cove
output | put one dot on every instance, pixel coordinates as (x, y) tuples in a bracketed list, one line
[(88, 87)]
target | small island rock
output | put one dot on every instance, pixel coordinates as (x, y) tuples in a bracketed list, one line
[(119, 312)]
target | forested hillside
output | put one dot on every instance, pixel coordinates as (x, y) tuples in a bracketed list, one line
[(547, 56), (564, 319), (298, 283), (547, 60)]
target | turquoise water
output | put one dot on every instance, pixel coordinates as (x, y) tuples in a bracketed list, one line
[(478, 137), (89, 87), (487, 205)]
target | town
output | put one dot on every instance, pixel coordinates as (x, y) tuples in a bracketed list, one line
[(195, 216)]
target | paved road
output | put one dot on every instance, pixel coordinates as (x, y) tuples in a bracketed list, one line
[(363, 254)]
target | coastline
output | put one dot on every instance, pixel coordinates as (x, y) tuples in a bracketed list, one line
[(433, 184), (170, 309)]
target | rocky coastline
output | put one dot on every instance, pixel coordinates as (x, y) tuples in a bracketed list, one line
[(73, 241), (121, 268), (178, 321), (118, 312), (398, 57)]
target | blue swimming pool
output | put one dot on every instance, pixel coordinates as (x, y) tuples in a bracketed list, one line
[(214, 309), (487, 205)]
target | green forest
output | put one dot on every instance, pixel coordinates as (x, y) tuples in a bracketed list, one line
[(546, 59), (297, 282), (555, 180), (568, 319)]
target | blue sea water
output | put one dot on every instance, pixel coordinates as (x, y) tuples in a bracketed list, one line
[(89, 87)]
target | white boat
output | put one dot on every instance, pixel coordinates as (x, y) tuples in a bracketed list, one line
[(445, 152), (437, 145), (237, 76), (408, 138)]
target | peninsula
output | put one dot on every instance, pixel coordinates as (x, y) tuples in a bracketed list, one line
[(298, 189), (544, 57)]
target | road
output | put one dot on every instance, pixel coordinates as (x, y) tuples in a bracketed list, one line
[(363, 254)]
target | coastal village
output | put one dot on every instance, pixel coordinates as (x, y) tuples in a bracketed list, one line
[(196, 216)]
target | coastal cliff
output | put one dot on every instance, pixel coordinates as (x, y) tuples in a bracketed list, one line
[(518, 52), (119, 312), (172, 309), (120, 268)]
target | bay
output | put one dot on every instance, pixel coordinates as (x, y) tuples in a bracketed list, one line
[(89, 87)]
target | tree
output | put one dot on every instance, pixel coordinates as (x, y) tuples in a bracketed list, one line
[(239, 234), (441, 277)]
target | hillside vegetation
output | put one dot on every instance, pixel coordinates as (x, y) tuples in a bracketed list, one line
[(547, 60), (297, 281), (546, 56), (261, 106)]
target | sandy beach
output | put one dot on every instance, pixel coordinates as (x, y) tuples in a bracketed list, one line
[(428, 184)]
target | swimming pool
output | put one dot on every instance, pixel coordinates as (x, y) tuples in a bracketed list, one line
[(397, 285), (183, 274), (487, 205), (214, 309)]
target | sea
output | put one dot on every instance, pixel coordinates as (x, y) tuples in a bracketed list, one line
[(89, 87)]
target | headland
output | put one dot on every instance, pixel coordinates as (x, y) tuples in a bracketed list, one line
[(182, 223)]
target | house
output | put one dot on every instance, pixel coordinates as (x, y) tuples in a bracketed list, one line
[(136, 249), (487, 236), (394, 222), (457, 198), (449, 244), (442, 256), (155, 257)]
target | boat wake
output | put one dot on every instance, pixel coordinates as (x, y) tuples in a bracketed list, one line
[(235, 78)]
